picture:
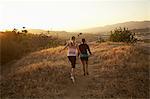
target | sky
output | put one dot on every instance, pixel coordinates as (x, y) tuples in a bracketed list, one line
[(70, 15)]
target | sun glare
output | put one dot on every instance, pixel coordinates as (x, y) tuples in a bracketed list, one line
[(70, 15)]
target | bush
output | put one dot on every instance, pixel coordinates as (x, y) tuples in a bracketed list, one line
[(122, 35)]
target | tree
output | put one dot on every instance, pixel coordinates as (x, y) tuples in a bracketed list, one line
[(79, 34), (24, 30), (122, 35), (14, 30)]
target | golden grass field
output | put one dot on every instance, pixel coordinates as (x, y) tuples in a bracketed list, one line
[(117, 70)]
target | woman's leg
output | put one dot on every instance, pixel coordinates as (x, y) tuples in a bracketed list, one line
[(83, 64), (72, 74), (87, 72), (73, 62), (72, 71)]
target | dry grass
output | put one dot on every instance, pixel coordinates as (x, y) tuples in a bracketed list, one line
[(22, 44), (122, 71), (116, 70)]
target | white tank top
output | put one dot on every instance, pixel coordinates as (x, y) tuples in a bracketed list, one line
[(72, 50)]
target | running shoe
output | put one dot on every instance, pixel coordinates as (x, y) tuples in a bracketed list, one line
[(72, 78)]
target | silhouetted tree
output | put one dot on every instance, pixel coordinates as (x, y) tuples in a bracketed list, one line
[(79, 34), (24, 30), (14, 30)]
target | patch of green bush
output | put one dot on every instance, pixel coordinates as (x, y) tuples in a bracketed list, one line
[(122, 35)]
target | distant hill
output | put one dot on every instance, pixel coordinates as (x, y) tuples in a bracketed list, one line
[(36, 31), (130, 25), (42, 31)]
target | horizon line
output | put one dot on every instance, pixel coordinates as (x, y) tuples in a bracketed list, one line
[(72, 30)]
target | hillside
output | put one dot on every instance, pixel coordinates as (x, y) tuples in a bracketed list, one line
[(14, 46), (130, 25), (117, 70)]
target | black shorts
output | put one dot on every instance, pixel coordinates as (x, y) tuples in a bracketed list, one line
[(72, 60), (84, 58)]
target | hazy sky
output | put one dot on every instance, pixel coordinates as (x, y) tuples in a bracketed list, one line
[(70, 14)]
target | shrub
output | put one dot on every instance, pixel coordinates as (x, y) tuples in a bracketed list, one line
[(122, 35)]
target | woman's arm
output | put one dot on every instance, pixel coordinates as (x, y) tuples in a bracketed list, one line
[(78, 50), (89, 50), (64, 47)]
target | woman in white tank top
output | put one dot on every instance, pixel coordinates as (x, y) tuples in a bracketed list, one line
[(71, 54)]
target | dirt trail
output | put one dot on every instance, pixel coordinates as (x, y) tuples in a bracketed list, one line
[(76, 90)]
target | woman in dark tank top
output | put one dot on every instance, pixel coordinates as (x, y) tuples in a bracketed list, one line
[(83, 52)]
